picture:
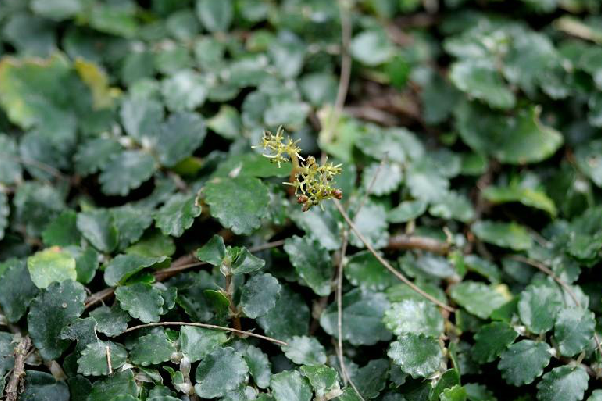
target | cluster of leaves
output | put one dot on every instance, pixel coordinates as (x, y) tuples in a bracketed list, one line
[(151, 253)]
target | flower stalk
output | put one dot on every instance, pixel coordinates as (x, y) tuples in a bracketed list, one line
[(311, 180)]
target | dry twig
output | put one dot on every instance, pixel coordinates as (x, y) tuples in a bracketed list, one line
[(15, 382), (207, 326)]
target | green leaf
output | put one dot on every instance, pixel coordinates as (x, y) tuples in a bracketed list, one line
[(505, 235), (42, 386), (396, 144), (365, 271), (62, 231), (141, 117), (251, 165), (130, 222), (362, 318), (185, 90), (515, 140), (538, 307), (141, 301), (110, 321), (406, 211), (371, 222), (242, 261), (179, 137), (126, 171), (381, 179), (321, 225), (425, 182), (227, 123), (371, 47), (120, 269), (596, 396), (152, 349), (524, 361), (94, 360), (449, 379), (415, 317), (219, 372), (153, 244), (312, 263), (455, 393), (51, 311), (197, 342), (51, 265), (417, 356), (95, 154), (370, 380), (574, 330), (213, 252), (290, 317), (478, 298), (564, 383), (177, 215), (259, 366), (97, 227), (290, 386), (223, 195), (480, 79), (81, 330), (324, 380), (259, 295), (216, 15), (526, 196), (478, 392), (16, 289), (33, 93), (10, 167), (589, 162), (491, 340), (305, 351), (453, 206), (120, 383)]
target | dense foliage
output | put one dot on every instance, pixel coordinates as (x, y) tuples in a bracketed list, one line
[(149, 251)]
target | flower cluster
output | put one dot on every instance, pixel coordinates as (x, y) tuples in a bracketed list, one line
[(311, 180)]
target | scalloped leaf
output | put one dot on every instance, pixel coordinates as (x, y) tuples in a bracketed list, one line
[(51, 265), (51, 311), (416, 317), (94, 360), (141, 301), (564, 383), (305, 351), (220, 372), (524, 361), (152, 349), (417, 356), (311, 262), (259, 294), (223, 195)]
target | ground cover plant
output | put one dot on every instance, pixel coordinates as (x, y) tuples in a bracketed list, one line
[(296, 200)]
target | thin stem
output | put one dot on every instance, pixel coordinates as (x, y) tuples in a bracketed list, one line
[(385, 263), (339, 297), (229, 292), (343, 87), (207, 326)]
